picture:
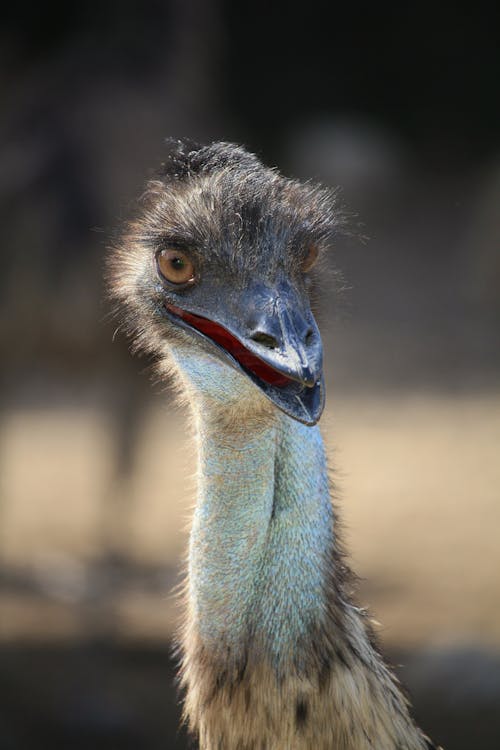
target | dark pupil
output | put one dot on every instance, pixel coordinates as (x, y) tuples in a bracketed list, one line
[(177, 264)]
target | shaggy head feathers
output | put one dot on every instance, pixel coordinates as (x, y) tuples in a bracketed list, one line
[(237, 217)]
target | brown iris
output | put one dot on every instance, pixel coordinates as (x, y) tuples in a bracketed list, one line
[(175, 266), (310, 258)]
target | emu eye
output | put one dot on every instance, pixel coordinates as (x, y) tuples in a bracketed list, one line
[(175, 266), (310, 258)]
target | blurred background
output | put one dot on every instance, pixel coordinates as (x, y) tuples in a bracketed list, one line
[(398, 104)]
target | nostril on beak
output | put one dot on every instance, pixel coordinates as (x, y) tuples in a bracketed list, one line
[(265, 339), (309, 336)]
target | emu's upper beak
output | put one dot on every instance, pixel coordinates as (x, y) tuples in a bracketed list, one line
[(267, 333)]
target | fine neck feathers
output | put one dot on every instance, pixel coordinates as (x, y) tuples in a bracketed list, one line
[(275, 654)]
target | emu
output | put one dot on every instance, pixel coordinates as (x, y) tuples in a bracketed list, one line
[(214, 276)]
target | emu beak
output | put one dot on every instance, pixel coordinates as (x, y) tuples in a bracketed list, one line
[(266, 333)]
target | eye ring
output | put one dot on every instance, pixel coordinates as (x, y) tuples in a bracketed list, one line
[(310, 258), (175, 267)]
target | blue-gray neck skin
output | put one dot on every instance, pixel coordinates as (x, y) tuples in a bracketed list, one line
[(270, 635), (263, 525)]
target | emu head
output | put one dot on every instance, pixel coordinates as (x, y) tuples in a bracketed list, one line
[(215, 275)]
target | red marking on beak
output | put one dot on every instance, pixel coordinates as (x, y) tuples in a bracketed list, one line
[(232, 345)]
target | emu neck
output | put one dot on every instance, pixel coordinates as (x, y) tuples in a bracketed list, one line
[(274, 653), (261, 535)]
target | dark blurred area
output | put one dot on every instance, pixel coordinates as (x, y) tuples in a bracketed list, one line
[(397, 104)]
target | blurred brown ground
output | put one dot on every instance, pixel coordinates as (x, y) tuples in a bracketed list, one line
[(417, 477), (89, 562)]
